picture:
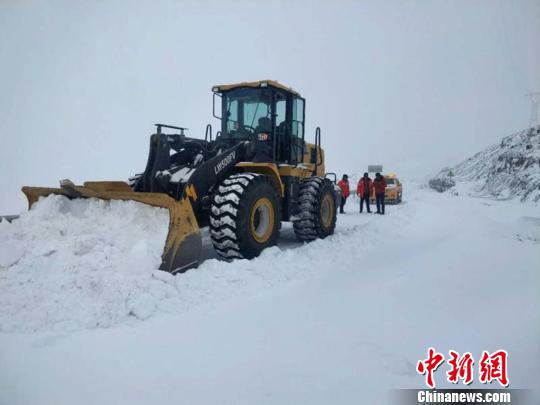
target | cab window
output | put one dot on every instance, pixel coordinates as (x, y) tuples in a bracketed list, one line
[(232, 115), (298, 118), (247, 111), (280, 111)]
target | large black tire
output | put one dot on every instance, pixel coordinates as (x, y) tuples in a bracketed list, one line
[(245, 216), (318, 210)]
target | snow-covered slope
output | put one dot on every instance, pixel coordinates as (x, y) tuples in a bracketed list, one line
[(506, 170), (341, 320)]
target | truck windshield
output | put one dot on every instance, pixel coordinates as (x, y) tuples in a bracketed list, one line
[(247, 111)]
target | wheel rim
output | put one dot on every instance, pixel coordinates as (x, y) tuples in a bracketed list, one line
[(327, 205), (262, 220)]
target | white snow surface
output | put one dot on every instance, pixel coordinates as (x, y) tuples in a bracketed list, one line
[(182, 175), (67, 265), (342, 320)]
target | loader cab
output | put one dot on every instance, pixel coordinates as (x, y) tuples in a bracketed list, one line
[(266, 112)]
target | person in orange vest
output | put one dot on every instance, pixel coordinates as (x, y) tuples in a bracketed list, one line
[(345, 192), (379, 184), (363, 191)]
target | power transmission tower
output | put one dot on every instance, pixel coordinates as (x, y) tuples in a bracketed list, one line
[(535, 104)]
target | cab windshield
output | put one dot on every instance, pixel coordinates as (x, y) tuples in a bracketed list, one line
[(247, 112)]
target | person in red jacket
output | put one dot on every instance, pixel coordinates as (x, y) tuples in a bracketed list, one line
[(363, 191), (345, 192), (379, 184)]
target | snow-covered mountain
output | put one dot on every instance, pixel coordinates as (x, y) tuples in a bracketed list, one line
[(507, 170)]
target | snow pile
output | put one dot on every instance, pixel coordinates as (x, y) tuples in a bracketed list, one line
[(94, 265), (507, 170), (69, 265)]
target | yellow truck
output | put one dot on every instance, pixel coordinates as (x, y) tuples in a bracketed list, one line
[(394, 190)]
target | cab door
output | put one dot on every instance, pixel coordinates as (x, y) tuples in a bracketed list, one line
[(297, 130), (289, 128)]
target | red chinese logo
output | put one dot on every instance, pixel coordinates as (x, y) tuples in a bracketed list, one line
[(429, 365), (492, 367), (460, 368)]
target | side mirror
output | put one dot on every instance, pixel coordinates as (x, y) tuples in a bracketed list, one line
[(214, 105)]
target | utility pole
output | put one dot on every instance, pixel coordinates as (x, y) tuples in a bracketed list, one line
[(535, 104)]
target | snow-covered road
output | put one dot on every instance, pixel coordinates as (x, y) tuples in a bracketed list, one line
[(341, 320)]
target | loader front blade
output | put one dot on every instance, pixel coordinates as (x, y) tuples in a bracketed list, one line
[(183, 245)]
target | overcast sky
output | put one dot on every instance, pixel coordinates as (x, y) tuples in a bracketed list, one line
[(413, 85)]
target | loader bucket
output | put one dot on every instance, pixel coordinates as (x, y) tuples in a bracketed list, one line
[(183, 245)]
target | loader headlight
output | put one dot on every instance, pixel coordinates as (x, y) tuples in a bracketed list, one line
[(215, 89)]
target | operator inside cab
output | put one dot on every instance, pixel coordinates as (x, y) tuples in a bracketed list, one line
[(272, 117)]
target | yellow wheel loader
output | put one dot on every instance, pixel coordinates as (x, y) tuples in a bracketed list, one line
[(256, 173)]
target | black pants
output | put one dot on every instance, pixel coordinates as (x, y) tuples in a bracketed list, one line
[(365, 198), (379, 198), (342, 204)]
